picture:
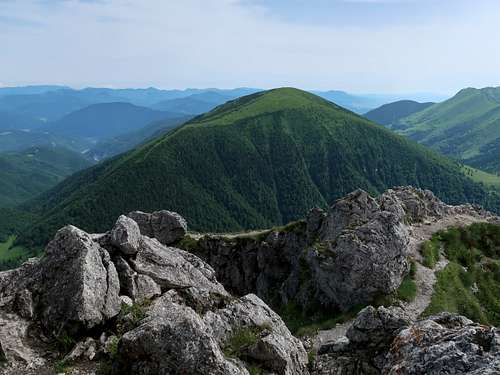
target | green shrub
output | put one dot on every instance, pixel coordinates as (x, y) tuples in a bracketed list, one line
[(407, 291), (430, 253), (241, 341)]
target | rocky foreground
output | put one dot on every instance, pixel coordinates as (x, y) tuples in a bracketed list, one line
[(148, 298)]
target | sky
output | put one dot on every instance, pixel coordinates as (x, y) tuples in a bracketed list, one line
[(362, 46)]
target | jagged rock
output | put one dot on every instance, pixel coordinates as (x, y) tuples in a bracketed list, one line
[(126, 235), (314, 220), (174, 341), (85, 349), (191, 343), (126, 300), (23, 304), (15, 342), (276, 348), (367, 253), (166, 226), (78, 286), (136, 286), (445, 344), (173, 268), (375, 328)]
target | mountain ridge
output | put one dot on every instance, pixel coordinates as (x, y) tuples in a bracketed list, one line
[(257, 161)]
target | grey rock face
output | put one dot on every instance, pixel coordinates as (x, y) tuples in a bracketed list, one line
[(174, 341), (179, 339), (375, 328), (173, 268), (445, 344), (348, 256), (126, 235), (166, 226), (383, 341), (136, 286), (78, 286), (275, 348)]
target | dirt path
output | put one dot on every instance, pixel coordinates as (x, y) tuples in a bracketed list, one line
[(425, 278)]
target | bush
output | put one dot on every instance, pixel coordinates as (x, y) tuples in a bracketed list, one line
[(407, 291), (430, 253)]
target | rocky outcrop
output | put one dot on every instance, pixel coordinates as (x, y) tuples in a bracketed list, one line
[(161, 308), (147, 298), (347, 256), (384, 341), (166, 226), (445, 344), (78, 284)]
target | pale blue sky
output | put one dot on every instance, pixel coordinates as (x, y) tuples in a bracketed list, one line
[(379, 46)]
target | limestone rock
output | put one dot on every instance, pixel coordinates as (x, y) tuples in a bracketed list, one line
[(173, 268), (136, 286), (276, 347), (78, 286), (166, 226), (126, 235), (175, 341), (445, 344), (375, 328)]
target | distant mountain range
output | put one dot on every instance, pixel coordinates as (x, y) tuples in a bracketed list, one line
[(257, 161), (391, 114)]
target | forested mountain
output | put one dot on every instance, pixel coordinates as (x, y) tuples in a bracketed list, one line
[(390, 114), (102, 121), (125, 142), (11, 121), (466, 126), (24, 175), (261, 160)]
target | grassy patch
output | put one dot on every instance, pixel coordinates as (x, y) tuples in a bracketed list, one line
[(239, 344), (62, 367), (11, 255), (430, 252), (470, 283), (407, 291), (476, 175)]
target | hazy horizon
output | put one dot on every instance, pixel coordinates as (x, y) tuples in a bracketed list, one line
[(357, 46)]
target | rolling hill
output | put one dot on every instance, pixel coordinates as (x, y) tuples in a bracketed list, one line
[(261, 160), (24, 175), (465, 127), (390, 114)]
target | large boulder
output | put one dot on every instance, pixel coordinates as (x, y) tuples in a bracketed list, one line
[(365, 252), (175, 338), (166, 226), (78, 286), (126, 235), (172, 268), (275, 348), (445, 344)]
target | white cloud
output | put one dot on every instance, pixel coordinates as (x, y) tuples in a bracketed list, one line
[(228, 43)]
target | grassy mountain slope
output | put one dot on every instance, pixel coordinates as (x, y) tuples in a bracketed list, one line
[(24, 175), (257, 161), (464, 126), (390, 114)]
